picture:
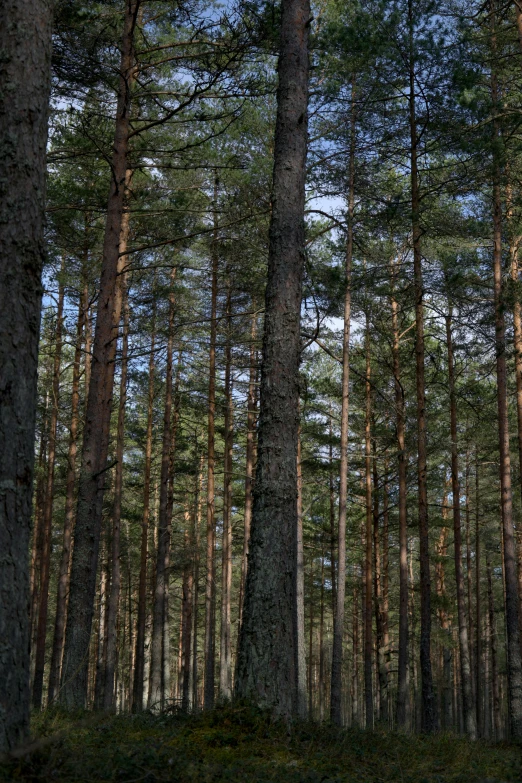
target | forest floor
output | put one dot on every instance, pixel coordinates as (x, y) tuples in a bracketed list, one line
[(242, 745)]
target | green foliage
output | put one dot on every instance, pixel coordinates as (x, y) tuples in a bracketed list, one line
[(242, 744)]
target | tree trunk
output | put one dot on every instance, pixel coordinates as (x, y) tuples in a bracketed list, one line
[(402, 675), (99, 401), (250, 457), (514, 661), (210, 585), (186, 622), (25, 43), (63, 576), (442, 553), (495, 693), (340, 588), (429, 718), (368, 628), (139, 664), (47, 518), (157, 690), (479, 689), (225, 660), (301, 658), (197, 528), (115, 588), (469, 714), (267, 671)]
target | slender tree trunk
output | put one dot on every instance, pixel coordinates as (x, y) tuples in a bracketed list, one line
[(186, 623), (514, 661), (340, 592), (321, 644), (267, 668), (382, 671), (479, 690), (225, 661), (47, 520), (386, 590), (311, 644), (139, 665), (355, 675), (331, 488), (429, 718), (210, 586), (301, 657), (402, 674), (63, 576), (25, 43), (99, 402), (250, 457), (495, 692), (442, 553), (469, 714), (159, 616), (197, 526), (368, 629), (114, 595)]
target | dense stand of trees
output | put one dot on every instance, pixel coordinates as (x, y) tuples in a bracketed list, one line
[(278, 442)]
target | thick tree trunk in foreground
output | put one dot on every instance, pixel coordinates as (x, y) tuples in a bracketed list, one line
[(47, 521), (267, 667), (25, 43), (99, 402), (470, 721), (340, 589), (429, 718)]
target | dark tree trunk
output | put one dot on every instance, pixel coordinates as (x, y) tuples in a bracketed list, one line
[(109, 696), (368, 628), (429, 718), (47, 520), (25, 43), (157, 690), (469, 714), (514, 661), (99, 402), (139, 660), (210, 585), (63, 576), (340, 588), (402, 675), (267, 667), (225, 658)]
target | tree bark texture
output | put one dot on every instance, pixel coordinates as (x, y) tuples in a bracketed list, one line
[(25, 43), (267, 649), (99, 401)]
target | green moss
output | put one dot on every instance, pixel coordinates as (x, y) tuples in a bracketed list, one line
[(242, 744)]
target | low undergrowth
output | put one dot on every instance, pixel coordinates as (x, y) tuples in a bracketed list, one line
[(241, 744)]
